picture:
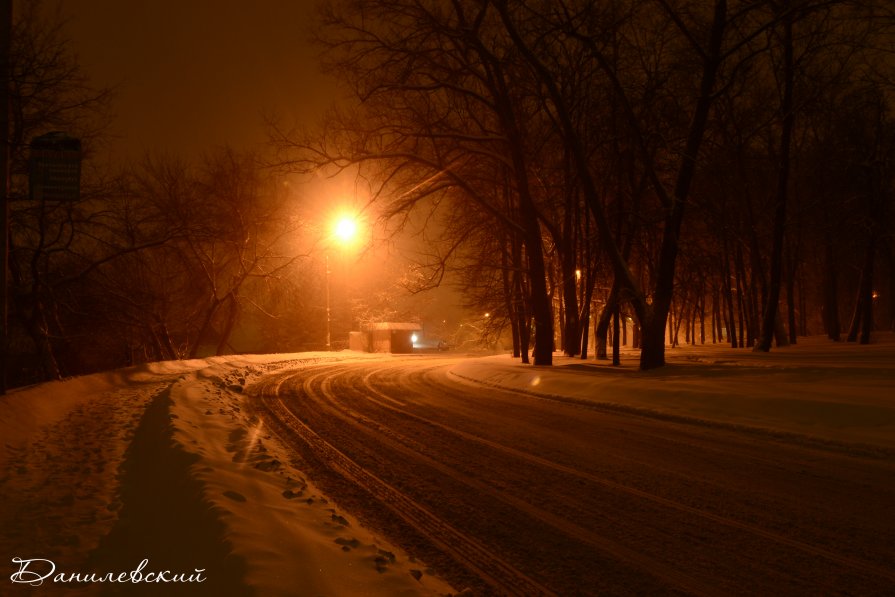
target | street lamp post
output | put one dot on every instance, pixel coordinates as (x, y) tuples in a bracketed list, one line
[(328, 317), (344, 231)]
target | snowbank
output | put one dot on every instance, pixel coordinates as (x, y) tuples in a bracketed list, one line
[(162, 463)]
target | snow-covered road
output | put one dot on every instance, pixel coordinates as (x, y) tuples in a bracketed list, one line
[(726, 472), (511, 493)]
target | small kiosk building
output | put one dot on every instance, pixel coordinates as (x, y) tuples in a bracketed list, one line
[(394, 337)]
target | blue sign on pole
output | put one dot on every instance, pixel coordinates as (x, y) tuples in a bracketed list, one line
[(55, 168)]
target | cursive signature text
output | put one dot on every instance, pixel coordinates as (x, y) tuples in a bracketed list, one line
[(36, 571)]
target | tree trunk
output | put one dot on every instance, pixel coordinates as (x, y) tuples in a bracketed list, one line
[(652, 355), (542, 310), (525, 337), (728, 299), (715, 327), (745, 337), (862, 320), (571, 335), (585, 319), (831, 296), (541, 307), (791, 300), (769, 316), (523, 321), (508, 296), (652, 347), (746, 301), (48, 360), (678, 319), (616, 337), (585, 332), (702, 320), (602, 329)]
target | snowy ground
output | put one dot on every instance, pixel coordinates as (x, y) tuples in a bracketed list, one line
[(163, 462), (838, 392)]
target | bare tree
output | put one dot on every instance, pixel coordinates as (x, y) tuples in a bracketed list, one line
[(442, 111), (229, 221), (703, 39), (48, 91)]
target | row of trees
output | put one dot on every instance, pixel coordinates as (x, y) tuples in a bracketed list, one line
[(674, 160), (687, 165), (158, 267), (164, 259)]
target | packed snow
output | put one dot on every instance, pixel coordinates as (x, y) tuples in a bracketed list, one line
[(828, 391), (101, 472)]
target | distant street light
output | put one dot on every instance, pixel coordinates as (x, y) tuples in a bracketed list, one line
[(344, 231)]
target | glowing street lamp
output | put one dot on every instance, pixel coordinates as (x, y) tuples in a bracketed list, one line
[(344, 231)]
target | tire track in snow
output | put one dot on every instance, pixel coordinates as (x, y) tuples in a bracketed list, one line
[(499, 574), (386, 402), (615, 550), (319, 385)]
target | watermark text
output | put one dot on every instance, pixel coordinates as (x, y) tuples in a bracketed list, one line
[(37, 571)]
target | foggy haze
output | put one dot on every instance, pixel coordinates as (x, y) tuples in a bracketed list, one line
[(578, 300), (199, 74)]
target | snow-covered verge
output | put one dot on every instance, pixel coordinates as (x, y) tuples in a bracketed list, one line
[(825, 391), (165, 463)]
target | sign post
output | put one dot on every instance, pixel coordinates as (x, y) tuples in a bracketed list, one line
[(54, 169), (5, 34)]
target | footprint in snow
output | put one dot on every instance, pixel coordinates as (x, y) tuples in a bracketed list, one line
[(348, 544), (383, 559), (268, 465), (235, 496)]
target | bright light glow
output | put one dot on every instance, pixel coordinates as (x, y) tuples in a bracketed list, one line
[(487, 315), (345, 228), (413, 338), (578, 274)]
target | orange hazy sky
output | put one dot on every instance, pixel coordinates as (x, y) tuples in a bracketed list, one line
[(195, 74)]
